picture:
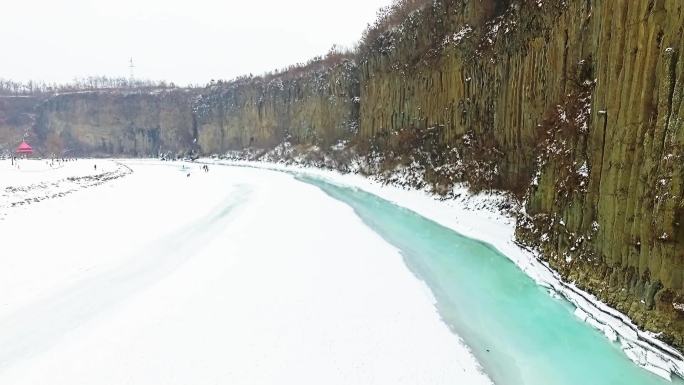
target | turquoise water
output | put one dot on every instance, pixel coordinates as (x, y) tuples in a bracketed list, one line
[(518, 332)]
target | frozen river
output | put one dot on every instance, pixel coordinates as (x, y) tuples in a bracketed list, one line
[(518, 332), (245, 276)]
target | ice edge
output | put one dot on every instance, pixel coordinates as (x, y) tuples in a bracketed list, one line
[(641, 347)]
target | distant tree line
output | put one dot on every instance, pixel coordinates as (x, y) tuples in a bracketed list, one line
[(91, 83), (335, 55)]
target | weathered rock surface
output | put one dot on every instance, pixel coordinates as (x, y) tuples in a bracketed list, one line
[(122, 124), (318, 106), (17, 117)]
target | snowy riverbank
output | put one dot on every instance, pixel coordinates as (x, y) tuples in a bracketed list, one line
[(25, 172), (25, 182), (478, 217)]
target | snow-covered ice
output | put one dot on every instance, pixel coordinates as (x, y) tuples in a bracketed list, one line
[(236, 276)]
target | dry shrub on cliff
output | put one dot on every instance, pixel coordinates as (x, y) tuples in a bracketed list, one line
[(335, 56), (391, 16), (562, 134), (420, 157), (481, 159), (415, 157)]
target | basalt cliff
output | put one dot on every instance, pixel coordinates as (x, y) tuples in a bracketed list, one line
[(574, 107)]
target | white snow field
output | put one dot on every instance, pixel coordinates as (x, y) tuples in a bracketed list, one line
[(33, 171), (235, 276), (29, 181)]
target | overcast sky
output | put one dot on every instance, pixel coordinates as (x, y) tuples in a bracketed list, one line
[(185, 41)]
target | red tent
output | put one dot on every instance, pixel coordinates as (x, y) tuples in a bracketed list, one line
[(24, 148)]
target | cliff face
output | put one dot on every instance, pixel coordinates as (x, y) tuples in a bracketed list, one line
[(577, 107), (102, 123), (17, 117), (317, 106), (610, 184), (573, 106)]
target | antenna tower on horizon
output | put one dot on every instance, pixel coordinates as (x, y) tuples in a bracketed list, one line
[(131, 68)]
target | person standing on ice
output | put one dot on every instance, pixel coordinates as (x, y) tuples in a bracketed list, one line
[(95, 167)]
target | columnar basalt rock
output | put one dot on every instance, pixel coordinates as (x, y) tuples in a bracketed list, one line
[(316, 106), (617, 233)]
